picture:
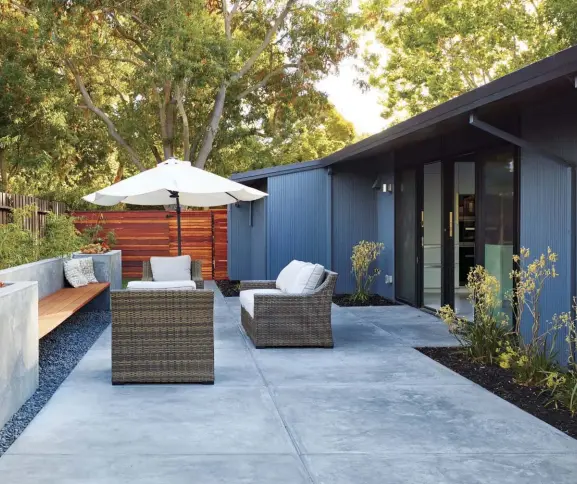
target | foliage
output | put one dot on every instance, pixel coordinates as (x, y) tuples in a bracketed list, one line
[(60, 236), (17, 244), (439, 49), (365, 253), (483, 337), (95, 241)]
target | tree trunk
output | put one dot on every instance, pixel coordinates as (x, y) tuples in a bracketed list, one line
[(5, 186), (212, 129), (119, 173), (167, 121), (185, 127)]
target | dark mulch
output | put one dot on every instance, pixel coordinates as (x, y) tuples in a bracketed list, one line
[(60, 351), (374, 300), (229, 288), (500, 381)]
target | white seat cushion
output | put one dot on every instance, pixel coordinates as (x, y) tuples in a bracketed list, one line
[(247, 298), (307, 280), (155, 285), (171, 268), (288, 275)]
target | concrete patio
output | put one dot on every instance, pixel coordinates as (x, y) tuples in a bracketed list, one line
[(373, 410)]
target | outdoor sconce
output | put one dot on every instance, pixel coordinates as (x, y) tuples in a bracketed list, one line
[(387, 188)]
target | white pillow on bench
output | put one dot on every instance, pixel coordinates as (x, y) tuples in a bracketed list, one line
[(171, 268), (74, 274), (307, 280)]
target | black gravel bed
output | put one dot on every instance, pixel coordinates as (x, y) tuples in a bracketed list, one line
[(374, 300), (229, 288), (500, 381), (60, 352)]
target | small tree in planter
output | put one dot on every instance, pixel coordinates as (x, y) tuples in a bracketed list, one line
[(365, 253), (95, 243)]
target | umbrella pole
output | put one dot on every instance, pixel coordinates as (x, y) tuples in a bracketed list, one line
[(178, 224)]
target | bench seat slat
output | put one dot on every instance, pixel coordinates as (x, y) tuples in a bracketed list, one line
[(54, 309)]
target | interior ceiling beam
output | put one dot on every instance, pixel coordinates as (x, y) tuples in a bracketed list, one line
[(499, 133)]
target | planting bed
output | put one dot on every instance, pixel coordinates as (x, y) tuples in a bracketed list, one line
[(500, 382), (60, 352), (374, 300), (229, 288)]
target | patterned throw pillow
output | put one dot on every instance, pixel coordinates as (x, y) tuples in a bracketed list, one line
[(87, 268), (73, 273)]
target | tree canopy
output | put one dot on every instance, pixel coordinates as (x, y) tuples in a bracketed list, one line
[(229, 85), (438, 49)]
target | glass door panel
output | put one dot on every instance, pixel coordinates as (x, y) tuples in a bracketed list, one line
[(464, 236), (432, 235), (498, 232), (406, 236)]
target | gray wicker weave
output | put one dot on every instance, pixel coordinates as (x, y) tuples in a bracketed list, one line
[(288, 319), (195, 272), (162, 336)]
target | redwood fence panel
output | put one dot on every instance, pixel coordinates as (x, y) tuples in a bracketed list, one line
[(34, 223), (142, 234)]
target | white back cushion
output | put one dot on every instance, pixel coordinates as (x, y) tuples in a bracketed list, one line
[(171, 268), (73, 273), (87, 268), (307, 280), (289, 274), (155, 285)]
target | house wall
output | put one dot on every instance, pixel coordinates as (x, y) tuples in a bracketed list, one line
[(298, 224), (354, 218), (545, 189), (258, 221), (386, 235)]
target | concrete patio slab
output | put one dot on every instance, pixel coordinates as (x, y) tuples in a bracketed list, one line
[(441, 469), (343, 366), (370, 411), (153, 469), (413, 419)]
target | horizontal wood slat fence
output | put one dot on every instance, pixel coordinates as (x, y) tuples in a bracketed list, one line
[(35, 223), (142, 234)]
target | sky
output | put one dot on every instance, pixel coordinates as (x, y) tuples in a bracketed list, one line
[(362, 108)]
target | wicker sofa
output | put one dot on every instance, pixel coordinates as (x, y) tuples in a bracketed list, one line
[(195, 272), (161, 336), (290, 320)]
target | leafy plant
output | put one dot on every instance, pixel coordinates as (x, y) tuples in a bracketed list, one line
[(364, 255), (18, 245), (95, 242), (60, 236), (481, 338)]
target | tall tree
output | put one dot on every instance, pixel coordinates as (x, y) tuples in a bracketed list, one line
[(438, 49), (166, 78)]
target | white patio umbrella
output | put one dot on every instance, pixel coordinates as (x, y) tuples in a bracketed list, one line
[(175, 182)]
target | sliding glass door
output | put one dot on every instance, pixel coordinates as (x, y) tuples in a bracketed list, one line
[(432, 239)]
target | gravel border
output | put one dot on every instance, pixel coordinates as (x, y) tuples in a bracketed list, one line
[(60, 352)]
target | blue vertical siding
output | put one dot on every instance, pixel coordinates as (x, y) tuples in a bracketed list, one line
[(297, 219), (353, 219), (546, 202), (239, 242), (386, 235), (258, 240)]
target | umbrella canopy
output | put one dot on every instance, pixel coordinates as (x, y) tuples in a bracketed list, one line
[(158, 186), (175, 182)]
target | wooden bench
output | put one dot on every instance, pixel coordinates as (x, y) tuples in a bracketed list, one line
[(54, 309)]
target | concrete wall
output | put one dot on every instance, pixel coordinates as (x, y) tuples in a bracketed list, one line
[(49, 273), (107, 267), (18, 346)]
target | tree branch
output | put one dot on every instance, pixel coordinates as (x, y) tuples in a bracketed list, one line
[(109, 124), (264, 81), (180, 91), (156, 153), (212, 127), (227, 17), (117, 59), (267, 39)]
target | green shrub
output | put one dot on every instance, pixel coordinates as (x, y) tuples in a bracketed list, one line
[(17, 244), (483, 337), (60, 236), (364, 255)]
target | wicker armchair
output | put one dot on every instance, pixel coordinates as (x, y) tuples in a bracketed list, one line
[(195, 272), (290, 320), (162, 336)]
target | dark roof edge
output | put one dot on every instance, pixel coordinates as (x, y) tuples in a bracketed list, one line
[(254, 175), (540, 72)]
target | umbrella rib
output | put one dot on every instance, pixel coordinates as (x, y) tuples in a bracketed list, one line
[(232, 196)]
